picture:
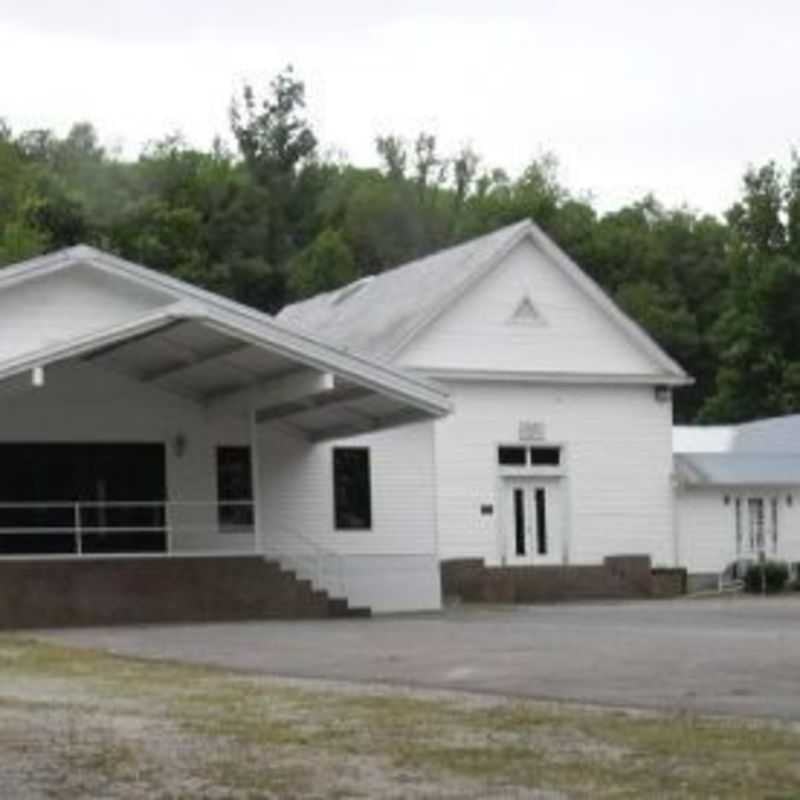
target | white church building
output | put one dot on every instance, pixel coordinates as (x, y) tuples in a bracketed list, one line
[(737, 495), (558, 449), (488, 401)]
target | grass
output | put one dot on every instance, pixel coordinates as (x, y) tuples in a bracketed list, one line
[(126, 727)]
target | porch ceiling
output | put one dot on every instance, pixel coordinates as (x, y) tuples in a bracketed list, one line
[(192, 360), (227, 373)]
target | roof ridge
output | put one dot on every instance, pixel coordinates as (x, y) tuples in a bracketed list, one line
[(472, 243)]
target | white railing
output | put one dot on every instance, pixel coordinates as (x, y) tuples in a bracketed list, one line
[(308, 559), (86, 529), (92, 528)]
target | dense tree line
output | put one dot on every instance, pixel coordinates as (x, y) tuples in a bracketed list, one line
[(276, 220)]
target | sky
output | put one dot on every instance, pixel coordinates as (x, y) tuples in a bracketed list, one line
[(675, 98)]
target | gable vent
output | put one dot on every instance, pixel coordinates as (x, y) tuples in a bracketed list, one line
[(350, 290), (526, 313)]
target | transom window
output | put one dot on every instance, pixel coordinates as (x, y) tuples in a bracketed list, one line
[(522, 456)]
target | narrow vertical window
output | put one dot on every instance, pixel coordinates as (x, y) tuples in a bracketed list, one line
[(541, 523), (519, 521), (235, 489), (738, 513), (352, 493), (774, 523), (755, 508)]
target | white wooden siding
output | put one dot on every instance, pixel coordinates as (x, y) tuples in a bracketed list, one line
[(617, 464), (707, 526), (58, 307), (575, 335), (394, 565)]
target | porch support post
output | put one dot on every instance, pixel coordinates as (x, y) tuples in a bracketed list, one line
[(259, 543)]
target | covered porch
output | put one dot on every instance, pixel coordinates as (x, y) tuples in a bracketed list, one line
[(149, 439)]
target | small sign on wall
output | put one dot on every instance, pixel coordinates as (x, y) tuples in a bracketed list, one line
[(530, 431)]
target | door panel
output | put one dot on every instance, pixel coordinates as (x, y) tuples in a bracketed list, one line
[(531, 522)]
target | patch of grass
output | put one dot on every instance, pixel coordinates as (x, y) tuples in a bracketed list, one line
[(265, 737)]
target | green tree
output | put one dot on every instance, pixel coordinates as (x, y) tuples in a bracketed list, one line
[(324, 265), (758, 330)]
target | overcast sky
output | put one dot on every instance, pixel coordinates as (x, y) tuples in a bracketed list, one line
[(671, 97)]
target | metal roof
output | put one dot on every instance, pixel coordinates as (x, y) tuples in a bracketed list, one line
[(375, 316), (762, 452), (207, 348), (737, 469), (380, 315), (772, 435), (702, 438)]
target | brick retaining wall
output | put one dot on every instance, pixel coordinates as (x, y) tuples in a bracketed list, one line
[(37, 594), (623, 576)]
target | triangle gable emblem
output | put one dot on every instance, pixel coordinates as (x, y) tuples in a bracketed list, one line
[(526, 313)]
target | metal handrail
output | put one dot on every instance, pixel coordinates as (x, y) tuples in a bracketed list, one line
[(86, 521), (125, 503), (307, 557)]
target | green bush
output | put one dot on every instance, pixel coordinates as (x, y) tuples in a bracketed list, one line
[(775, 572)]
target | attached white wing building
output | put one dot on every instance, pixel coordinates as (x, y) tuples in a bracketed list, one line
[(737, 493), (559, 446)]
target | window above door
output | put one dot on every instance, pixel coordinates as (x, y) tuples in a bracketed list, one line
[(529, 456)]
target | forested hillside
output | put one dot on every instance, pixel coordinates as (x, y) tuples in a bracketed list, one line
[(277, 219)]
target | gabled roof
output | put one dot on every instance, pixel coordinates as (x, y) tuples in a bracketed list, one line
[(381, 315), (202, 344)]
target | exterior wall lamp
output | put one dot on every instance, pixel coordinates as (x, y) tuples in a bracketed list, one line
[(662, 393), (179, 445)]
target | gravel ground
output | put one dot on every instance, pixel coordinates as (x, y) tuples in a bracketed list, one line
[(78, 723)]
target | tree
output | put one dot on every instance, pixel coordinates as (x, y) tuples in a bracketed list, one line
[(325, 264), (277, 144), (758, 330), (273, 135), (393, 152)]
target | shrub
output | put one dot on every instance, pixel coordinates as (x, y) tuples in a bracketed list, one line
[(776, 574)]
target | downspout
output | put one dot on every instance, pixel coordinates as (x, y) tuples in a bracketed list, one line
[(259, 543), (675, 487)]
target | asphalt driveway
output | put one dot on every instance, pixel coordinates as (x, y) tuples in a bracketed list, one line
[(733, 655)]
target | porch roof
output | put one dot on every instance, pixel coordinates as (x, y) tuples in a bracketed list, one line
[(234, 360)]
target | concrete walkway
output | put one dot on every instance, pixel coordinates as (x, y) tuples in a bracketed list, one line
[(733, 655)]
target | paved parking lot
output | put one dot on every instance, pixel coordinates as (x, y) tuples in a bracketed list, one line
[(732, 655)]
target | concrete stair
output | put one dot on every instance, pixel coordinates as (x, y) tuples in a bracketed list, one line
[(98, 591)]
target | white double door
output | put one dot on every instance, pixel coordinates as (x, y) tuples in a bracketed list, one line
[(531, 522)]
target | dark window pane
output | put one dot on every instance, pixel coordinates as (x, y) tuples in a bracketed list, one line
[(119, 489), (351, 488), (511, 456), (519, 521), (235, 488), (541, 523), (545, 456)]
